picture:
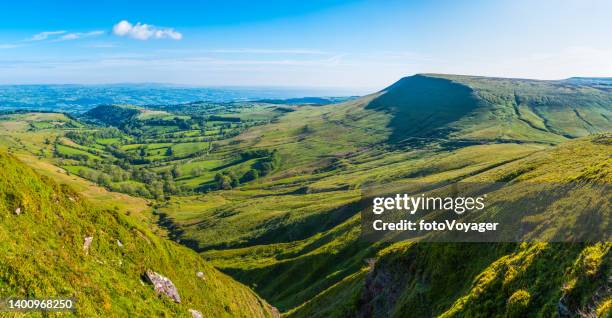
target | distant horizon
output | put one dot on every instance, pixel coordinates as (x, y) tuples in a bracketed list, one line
[(220, 86), (288, 87)]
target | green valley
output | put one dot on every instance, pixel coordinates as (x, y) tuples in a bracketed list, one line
[(268, 192)]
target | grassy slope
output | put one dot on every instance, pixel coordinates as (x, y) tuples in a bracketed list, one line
[(23, 143), (43, 256), (266, 234), (481, 108), (485, 280), (542, 111)]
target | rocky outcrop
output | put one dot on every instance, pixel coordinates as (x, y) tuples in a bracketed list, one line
[(163, 285)]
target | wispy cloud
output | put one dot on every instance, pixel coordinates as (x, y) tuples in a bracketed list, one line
[(79, 35), (141, 31), (49, 37), (43, 35)]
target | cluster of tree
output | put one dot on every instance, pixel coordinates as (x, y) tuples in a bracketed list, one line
[(269, 160), (78, 157), (148, 183), (90, 137), (125, 158), (74, 156), (268, 164), (181, 123), (258, 153), (112, 114), (226, 180), (198, 108), (222, 118)]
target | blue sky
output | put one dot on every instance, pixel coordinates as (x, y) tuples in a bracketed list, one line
[(364, 45)]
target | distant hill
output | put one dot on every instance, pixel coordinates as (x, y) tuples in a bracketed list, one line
[(603, 83), (118, 115), (482, 108), (75, 98), (589, 80), (306, 100), (43, 235), (114, 115)]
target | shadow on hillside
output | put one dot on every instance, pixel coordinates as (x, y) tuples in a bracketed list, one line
[(423, 106)]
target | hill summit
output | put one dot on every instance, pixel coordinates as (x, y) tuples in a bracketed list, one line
[(478, 108)]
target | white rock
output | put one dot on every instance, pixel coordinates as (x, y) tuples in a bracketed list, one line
[(87, 243), (18, 211), (200, 274), (163, 285), (274, 311), (195, 313), (119, 243)]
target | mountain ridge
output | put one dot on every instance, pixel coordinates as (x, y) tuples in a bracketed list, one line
[(483, 108)]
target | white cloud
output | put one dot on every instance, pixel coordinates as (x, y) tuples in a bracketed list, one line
[(44, 35), (79, 35), (142, 31), (122, 28)]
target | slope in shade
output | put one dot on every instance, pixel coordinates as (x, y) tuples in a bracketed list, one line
[(423, 106)]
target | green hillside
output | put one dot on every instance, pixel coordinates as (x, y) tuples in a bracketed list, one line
[(44, 226), (485, 280), (270, 196), (472, 108), (424, 106), (302, 216)]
